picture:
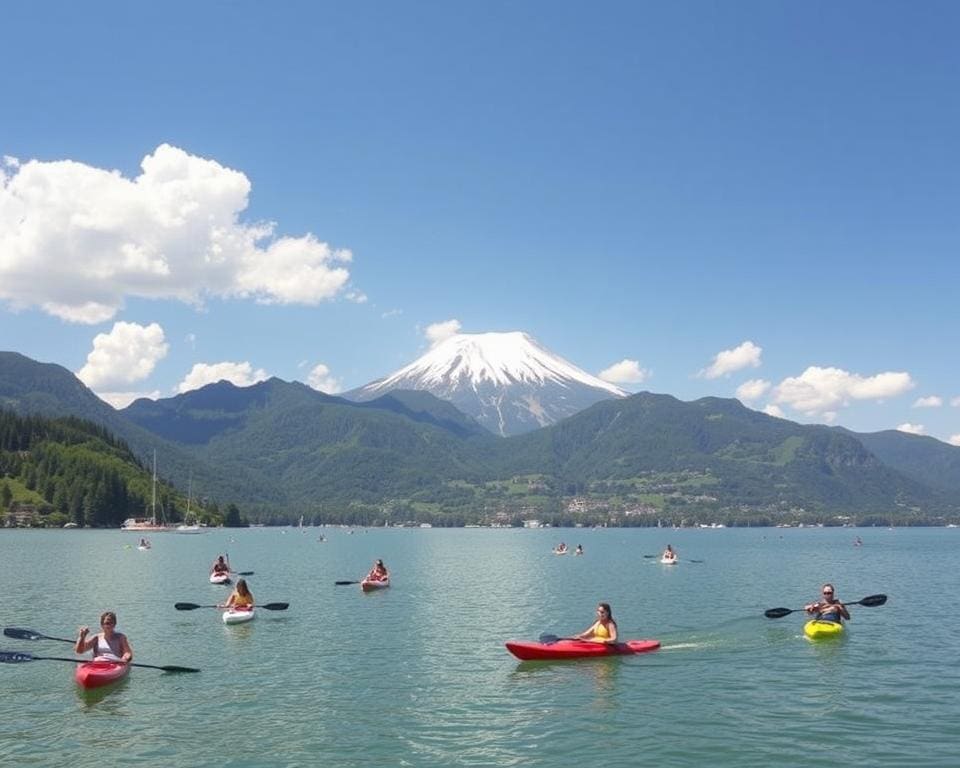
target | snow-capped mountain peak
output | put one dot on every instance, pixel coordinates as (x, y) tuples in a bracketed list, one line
[(507, 381)]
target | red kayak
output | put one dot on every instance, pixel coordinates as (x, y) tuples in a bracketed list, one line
[(578, 649), (368, 585), (96, 673)]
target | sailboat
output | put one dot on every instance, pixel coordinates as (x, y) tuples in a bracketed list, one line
[(140, 525), (186, 527)]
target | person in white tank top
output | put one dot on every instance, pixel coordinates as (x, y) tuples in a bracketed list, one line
[(108, 644)]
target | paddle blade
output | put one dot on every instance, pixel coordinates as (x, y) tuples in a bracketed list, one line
[(190, 606), (777, 613), (11, 657), (872, 601), (649, 556), (172, 668), (275, 606), (341, 583), (243, 573), (22, 634)]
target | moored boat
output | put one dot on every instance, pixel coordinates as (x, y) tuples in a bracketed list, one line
[(577, 649), (100, 672)]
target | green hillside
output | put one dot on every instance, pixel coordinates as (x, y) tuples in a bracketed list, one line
[(58, 471)]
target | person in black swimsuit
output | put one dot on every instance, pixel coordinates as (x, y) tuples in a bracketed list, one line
[(829, 608)]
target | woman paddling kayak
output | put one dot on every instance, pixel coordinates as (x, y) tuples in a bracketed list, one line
[(240, 597), (603, 630), (109, 644), (829, 608)]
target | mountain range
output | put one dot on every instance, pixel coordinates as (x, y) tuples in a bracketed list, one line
[(282, 449)]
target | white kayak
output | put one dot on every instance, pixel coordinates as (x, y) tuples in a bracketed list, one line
[(219, 578), (669, 560), (239, 615)]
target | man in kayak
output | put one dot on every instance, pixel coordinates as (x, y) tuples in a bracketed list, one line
[(603, 630), (220, 565), (578, 550), (240, 597), (378, 572), (829, 608), (108, 644), (669, 554)]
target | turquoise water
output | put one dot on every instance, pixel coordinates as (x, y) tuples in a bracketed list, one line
[(417, 675)]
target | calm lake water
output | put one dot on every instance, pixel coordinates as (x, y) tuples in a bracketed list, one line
[(417, 675)]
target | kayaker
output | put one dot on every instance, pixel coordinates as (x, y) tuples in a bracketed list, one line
[(240, 597), (378, 572), (108, 644), (579, 550), (669, 554), (829, 608), (603, 630), (220, 565)]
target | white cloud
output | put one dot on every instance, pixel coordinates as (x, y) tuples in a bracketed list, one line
[(125, 355), (10, 161), (122, 399), (913, 429), (774, 410), (955, 402), (321, 379), (240, 374), (928, 402), (391, 313), (730, 360), (441, 331), (624, 372), (76, 240), (752, 390), (819, 390), (357, 297), (954, 439)]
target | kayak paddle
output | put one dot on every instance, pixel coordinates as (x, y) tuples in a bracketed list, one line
[(29, 634), (242, 573), (12, 657), (682, 559), (554, 638), (871, 601), (265, 606), (341, 583)]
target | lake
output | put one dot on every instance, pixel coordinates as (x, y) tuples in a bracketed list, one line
[(417, 675)]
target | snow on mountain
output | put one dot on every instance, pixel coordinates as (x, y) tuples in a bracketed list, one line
[(506, 381)]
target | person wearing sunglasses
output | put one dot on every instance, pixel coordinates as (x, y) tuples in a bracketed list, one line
[(829, 608), (108, 644), (603, 630)]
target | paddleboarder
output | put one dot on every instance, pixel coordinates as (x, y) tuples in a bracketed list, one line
[(107, 644)]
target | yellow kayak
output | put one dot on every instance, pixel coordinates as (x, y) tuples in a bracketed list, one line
[(817, 629)]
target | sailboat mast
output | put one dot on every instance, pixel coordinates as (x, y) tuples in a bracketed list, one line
[(153, 506)]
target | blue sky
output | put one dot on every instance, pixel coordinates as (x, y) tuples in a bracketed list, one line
[(754, 199)]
